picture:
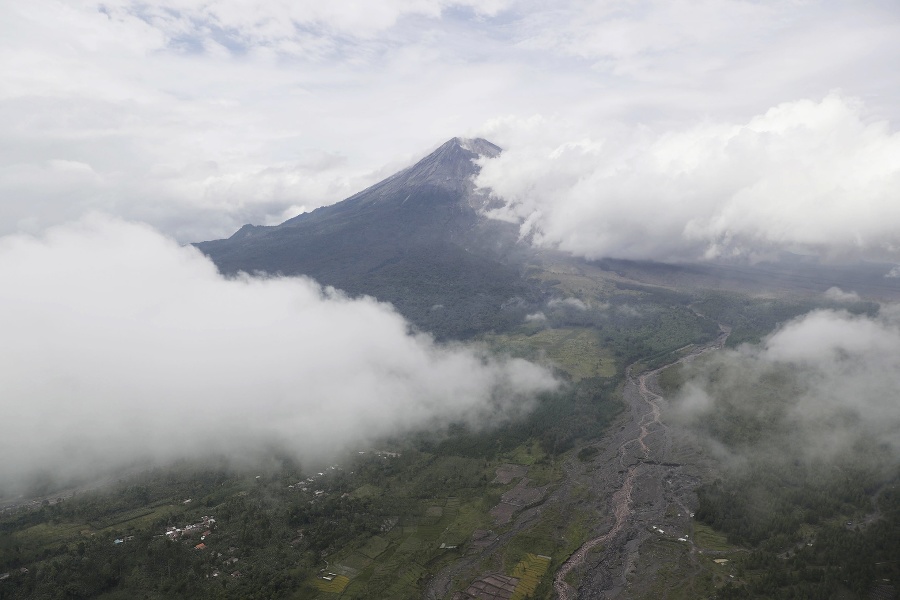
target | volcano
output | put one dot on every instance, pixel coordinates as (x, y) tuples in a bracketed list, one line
[(419, 240)]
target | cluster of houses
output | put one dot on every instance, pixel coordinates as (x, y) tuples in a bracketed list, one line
[(200, 529), (304, 485), (382, 453)]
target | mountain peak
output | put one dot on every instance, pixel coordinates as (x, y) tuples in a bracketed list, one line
[(478, 146), (418, 239), (451, 166)]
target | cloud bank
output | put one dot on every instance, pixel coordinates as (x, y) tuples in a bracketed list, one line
[(120, 346), (198, 116), (809, 177), (822, 386)]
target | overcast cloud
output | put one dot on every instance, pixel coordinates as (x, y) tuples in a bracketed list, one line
[(120, 345), (197, 116), (805, 176)]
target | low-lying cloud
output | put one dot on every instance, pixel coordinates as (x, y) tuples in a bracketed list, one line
[(823, 385), (836, 294), (567, 303), (804, 176), (121, 346)]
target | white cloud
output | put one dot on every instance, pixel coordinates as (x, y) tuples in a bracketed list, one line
[(567, 302), (837, 375), (808, 176), (836, 294), (200, 115), (120, 345), (293, 26)]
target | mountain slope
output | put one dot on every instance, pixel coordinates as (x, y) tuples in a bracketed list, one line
[(416, 240)]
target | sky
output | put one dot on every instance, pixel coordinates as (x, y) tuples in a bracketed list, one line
[(197, 116), (662, 129)]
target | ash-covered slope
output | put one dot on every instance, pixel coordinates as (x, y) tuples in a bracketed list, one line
[(415, 239)]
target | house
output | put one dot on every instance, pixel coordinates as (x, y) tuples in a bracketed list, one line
[(200, 546)]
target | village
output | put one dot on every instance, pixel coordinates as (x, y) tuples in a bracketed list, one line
[(202, 529)]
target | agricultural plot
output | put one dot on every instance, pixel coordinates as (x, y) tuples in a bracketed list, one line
[(491, 587), (529, 573), (507, 473), (575, 350), (366, 491), (520, 496), (139, 519), (596, 284), (467, 517), (374, 547), (393, 566), (121, 518), (708, 538), (335, 585), (47, 533), (353, 564), (524, 455)]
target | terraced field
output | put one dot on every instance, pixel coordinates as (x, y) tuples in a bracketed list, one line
[(529, 573)]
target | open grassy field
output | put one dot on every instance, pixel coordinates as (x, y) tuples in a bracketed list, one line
[(47, 533), (577, 351), (709, 539), (573, 281), (335, 586)]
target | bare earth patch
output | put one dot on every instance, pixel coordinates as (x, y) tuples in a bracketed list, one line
[(508, 473), (489, 587), (515, 499)]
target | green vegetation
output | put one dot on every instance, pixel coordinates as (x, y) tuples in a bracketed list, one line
[(818, 524), (335, 585), (578, 352), (709, 539), (529, 572), (376, 527), (381, 525), (752, 318)]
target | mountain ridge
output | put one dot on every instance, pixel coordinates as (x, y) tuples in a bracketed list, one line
[(418, 239)]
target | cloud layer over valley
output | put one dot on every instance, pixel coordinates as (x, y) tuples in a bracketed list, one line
[(120, 345), (823, 386)]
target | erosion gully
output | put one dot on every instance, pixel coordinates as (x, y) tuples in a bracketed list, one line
[(634, 456)]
